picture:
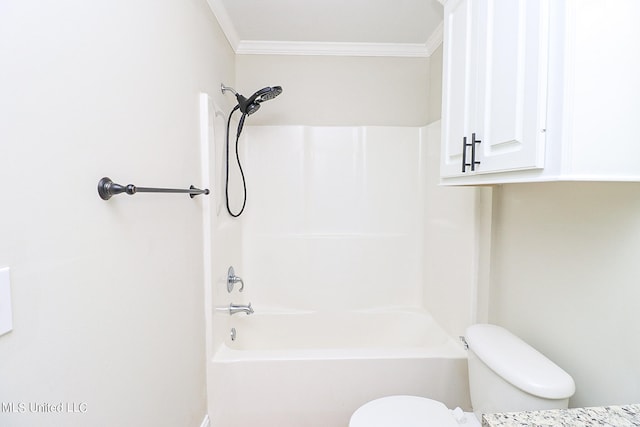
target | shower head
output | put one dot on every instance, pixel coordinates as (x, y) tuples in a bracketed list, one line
[(268, 93), (250, 105)]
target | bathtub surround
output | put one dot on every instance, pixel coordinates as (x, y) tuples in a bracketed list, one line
[(338, 251), (107, 295), (390, 93), (343, 217), (334, 218), (338, 219)]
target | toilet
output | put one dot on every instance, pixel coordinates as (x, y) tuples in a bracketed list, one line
[(505, 375)]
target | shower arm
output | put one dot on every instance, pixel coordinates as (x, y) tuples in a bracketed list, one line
[(224, 88)]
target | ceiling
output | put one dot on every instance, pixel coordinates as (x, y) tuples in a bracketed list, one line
[(331, 27)]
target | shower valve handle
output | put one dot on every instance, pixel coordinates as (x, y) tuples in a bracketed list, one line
[(232, 279)]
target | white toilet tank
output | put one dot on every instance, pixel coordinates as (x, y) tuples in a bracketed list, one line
[(507, 375)]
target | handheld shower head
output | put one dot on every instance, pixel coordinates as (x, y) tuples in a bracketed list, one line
[(250, 105), (246, 107)]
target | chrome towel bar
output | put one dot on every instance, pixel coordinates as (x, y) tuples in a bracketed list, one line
[(108, 188)]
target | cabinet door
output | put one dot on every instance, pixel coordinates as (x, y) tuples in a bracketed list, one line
[(511, 84), (458, 84)]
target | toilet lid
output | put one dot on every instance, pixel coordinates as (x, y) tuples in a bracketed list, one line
[(405, 411)]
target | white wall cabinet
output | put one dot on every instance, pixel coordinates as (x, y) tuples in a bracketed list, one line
[(548, 88)]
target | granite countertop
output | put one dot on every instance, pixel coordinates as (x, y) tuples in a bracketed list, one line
[(607, 416)]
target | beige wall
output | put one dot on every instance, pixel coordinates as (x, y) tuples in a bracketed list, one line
[(435, 85), (107, 296), (565, 278), (449, 257), (338, 91)]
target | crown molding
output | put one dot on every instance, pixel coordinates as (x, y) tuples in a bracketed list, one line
[(435, 39), (258, 47)]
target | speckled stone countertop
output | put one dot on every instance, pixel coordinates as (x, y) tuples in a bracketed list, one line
[(606, 416)]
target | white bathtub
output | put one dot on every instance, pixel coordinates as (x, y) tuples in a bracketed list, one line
[(307, 369)]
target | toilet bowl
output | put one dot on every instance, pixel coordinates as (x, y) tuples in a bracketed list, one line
[(410, 411), (505, 375)]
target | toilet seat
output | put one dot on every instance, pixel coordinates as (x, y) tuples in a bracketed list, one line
[(405, 411)]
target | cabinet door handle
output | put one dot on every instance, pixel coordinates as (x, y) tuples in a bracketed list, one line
[(474, 141), (464, 154)]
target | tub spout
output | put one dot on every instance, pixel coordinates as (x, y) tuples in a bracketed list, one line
[(233, 309)]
